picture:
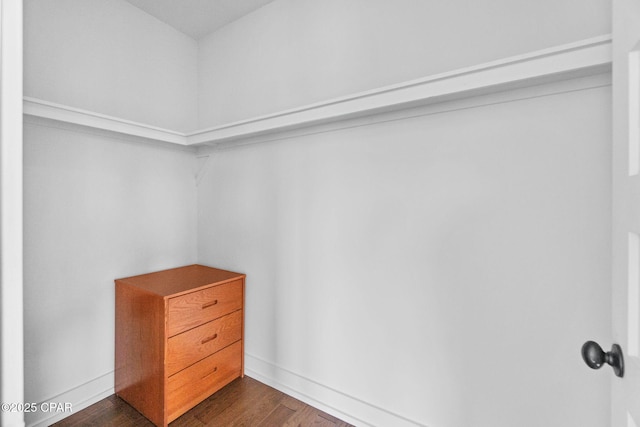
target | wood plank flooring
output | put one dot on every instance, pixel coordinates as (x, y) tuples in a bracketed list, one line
[(244, 402)]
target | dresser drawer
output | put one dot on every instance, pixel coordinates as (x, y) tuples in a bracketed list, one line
[(192, 385), (193, 309), (187, 348)]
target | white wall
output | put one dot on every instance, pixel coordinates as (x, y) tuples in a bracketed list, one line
[(95, 209), (98, 207), (378, 257), (291, 53), (110, 57), (445, 268)]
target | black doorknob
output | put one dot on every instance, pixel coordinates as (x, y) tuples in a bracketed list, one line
[(595, 357)]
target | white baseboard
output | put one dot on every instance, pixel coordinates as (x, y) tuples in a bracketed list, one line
[(334, 402), (339, 404), (79, 397)]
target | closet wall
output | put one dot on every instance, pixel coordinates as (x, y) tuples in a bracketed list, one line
[(110, 57), (439, 266), (446, 268), (98, 206), (291, 53)]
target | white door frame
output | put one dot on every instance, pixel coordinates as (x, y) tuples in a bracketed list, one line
[(625, 280), (11, 255)]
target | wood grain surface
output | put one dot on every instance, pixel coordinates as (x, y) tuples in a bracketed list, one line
[(244, 402)]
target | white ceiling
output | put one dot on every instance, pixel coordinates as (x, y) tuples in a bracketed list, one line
[(197, 18)]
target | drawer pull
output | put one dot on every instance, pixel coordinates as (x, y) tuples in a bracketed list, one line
[(210, 373), (210, 304), (211, 338)]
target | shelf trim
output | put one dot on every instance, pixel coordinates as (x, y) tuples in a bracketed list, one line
[(585, 57), (76, 116)]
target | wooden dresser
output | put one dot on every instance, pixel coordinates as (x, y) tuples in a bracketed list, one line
[(179, 338)]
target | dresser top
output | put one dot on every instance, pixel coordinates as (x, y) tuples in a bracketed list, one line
[(180, 280)]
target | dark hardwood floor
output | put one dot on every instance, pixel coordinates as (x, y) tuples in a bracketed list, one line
[(244, 402)]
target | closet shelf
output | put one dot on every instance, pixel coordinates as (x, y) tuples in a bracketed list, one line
[(83, 118), (586, 57)]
